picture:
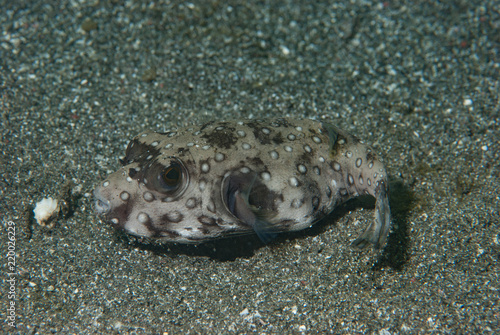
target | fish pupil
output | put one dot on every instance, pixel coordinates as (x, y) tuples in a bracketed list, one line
[(172, 175)]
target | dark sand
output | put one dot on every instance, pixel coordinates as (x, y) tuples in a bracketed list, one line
[(420, 82)]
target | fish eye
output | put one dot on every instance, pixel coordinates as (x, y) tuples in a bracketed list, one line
[(169, 178), (172, 175)]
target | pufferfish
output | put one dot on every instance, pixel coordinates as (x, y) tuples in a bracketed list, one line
[(264, 176)]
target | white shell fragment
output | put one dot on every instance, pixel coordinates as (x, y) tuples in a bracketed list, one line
[(46, 210)]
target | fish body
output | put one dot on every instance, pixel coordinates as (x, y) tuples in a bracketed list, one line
[(264, 176)]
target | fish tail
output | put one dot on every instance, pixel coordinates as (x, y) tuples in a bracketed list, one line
[(376, 233)]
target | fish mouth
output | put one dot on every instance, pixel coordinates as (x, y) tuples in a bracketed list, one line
[(101, 204)]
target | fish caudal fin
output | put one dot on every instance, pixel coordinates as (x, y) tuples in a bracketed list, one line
[(376, 233)]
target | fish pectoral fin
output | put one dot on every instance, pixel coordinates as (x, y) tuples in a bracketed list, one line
[(237, 190), (264, 230), (377, 231)]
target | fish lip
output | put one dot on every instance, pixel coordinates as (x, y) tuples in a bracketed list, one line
[(101, 204)]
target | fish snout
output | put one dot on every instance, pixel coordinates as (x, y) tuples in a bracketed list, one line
[(101, 204)]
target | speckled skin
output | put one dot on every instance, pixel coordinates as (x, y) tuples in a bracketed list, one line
[(294, 172)]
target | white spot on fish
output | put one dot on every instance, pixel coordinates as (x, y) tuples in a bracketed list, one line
[(148, 196), (143, 218), (202, 185), (302, 168), (191, 202), (297, 203), (219, 157), (293, 182), (245, 170), (316, 139)]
